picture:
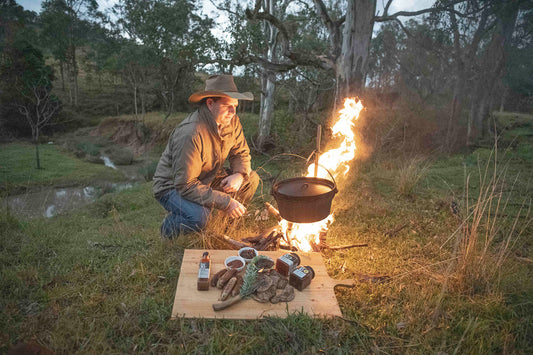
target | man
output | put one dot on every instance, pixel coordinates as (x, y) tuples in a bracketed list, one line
[(190, 178)]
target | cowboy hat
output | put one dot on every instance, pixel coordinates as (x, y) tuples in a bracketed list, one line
[(220, 86)]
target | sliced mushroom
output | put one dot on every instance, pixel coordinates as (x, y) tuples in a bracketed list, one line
[(286, 295)]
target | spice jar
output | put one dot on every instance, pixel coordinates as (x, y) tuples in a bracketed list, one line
[(286, 263), (203, 272), (301, 277)]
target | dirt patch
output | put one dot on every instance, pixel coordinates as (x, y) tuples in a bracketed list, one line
[(134, 135)]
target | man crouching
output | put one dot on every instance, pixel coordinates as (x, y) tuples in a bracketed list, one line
[(190, 178)]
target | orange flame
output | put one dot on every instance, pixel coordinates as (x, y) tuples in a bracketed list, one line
[(304, 235)]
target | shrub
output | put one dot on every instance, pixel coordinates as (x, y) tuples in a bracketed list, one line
[(119, 155), (148, 170), (409, 174), (89, 148)]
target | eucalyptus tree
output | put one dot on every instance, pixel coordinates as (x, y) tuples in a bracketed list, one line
[(481, 33), (175, 37), (349, 25), (65, 24)]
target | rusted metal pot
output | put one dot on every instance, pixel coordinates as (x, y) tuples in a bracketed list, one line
[(304, 199)]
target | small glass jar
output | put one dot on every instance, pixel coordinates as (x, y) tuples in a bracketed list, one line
[(301, 277), (287, 263)]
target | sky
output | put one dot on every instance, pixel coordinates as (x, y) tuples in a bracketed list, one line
[(221, 19), (397, 5)]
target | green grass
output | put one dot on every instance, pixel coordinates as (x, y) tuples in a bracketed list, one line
[(101, 280), (18, 169)]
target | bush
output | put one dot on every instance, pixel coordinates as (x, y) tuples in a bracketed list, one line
[(119, 155), (148, 170), (89, 148)]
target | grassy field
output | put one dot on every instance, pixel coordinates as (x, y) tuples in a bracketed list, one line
[(452, 236), (18, 170)]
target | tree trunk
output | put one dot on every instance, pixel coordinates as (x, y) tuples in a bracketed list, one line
[(36, 142), (269, 78), (491, 70), (267, 108), (353, 59), (135, 112), (62, 71)]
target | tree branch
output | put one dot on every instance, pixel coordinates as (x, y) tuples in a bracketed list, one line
[(448, 7)]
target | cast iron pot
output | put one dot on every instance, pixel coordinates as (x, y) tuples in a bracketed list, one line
[(304, 199)]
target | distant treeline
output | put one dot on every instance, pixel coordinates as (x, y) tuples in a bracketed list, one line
[(72, 61)]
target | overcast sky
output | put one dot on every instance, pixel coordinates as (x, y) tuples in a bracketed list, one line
[(220, 18), (397, 5)]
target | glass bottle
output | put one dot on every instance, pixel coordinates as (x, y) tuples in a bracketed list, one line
[(203, 272)]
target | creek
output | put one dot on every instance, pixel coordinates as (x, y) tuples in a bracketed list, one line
[(51, 201)]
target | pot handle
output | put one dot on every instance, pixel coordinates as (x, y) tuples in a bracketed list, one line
[(332, 178), (272, 192)]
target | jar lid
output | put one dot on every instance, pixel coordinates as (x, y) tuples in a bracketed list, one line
[(295, 256), (312, 271)]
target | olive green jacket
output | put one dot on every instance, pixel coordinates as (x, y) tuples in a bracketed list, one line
[(195, 153)]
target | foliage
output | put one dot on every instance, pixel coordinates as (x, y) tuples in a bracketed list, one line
[(17, 172)]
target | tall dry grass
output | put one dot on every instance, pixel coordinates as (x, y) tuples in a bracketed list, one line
[(409, 174), (489, 231)]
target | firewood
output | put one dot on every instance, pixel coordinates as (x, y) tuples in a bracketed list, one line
[(314, 246), (263, 245), (268, 231), (235, 242), (273, 211), (253, 239)]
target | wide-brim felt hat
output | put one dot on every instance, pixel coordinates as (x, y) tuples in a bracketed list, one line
[(220, 86)]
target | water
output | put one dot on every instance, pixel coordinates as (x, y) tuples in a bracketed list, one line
[(53, 201), (108, 162), (50, 202)]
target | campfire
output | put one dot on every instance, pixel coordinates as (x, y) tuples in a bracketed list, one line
[(329, 165)]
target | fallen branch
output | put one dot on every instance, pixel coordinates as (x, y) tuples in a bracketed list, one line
[(372, 278), (235, 242), (339, 247), (394, 232)]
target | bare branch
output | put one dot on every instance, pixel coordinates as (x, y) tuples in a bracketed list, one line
[(448, 7), (386, 10)]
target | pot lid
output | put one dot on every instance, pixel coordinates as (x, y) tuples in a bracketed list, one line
[(304, 187)]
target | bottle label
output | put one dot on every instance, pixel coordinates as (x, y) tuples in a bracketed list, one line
[(203, 271), (301, 272)]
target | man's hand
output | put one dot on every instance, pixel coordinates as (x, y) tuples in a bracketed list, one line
[(232, 183), (235, 209)]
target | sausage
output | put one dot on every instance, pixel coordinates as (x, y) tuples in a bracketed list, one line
[(238, 285), (216, 277), (225, 278), (228, 288)]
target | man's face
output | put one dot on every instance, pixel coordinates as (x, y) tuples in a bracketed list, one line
[(223, 109)]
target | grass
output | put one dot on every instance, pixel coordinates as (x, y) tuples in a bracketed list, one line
[(18, 171), (101, 280)]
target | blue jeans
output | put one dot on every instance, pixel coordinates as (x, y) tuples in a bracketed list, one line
[(185, 216)]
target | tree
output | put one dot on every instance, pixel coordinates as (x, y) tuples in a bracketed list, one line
[(174, 38), (31, 79), (64, 29)]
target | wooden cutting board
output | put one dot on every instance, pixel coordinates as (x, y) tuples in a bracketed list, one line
[(318, 299)]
